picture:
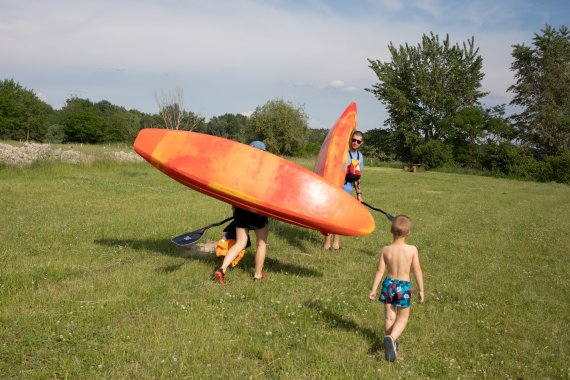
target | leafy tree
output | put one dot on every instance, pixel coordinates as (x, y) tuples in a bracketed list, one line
[(312, 143), (542, 88), (23, 116), (81, 121), (469, 127), (316, 135), (380, 144), (229, 126), (499, 129), (433, 153), (425, 84), (510, 160), (55, 134), (280, 125)]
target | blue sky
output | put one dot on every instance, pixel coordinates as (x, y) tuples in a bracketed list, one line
[(231, 56)]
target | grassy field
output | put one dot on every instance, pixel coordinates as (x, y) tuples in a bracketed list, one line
[(91, 287)]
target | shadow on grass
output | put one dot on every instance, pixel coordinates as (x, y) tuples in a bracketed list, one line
[(337, 321), (368, 252), (276, 266), (162, 246), (166, 247), (295, 236)]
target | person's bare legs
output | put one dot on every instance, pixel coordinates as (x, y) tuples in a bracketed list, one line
[(336, 242), (233, 252), (261, 241), (328, 241), (389, 318), (395, 321), (402, 316)]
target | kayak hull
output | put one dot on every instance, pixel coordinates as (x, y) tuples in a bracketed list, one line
[(331, 161), (255, 180)]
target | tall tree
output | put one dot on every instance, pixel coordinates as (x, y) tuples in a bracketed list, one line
[(81, 121), (380, 144), (23, 116), (280, 125), (470, 127), (425, 84), (542, 88)]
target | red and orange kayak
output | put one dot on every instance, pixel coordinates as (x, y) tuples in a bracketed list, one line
[(331, 161), (253, 179)]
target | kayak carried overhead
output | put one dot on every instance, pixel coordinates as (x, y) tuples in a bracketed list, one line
[(255, 180)]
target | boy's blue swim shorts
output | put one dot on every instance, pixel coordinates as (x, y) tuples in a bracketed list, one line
[(396, 292)]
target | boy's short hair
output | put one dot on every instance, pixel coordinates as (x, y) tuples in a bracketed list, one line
[(401, 226)]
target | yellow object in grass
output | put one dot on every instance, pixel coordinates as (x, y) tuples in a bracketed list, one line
[(224, 245)]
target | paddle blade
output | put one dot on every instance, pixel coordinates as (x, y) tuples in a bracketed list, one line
[(188, 238)]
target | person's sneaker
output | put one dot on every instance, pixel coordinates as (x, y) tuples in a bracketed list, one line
[(389, 348), (259, 278), (219, 276)]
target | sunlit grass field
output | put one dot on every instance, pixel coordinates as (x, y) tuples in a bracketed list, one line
[(91, 287)]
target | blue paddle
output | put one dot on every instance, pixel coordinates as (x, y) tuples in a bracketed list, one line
[(192, 237)]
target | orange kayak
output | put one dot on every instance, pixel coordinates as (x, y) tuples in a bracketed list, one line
[(255, 180), (331, 161)]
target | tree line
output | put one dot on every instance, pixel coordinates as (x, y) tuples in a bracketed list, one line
[(432, 92), (24, 117)]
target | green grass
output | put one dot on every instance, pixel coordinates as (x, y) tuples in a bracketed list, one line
[(91, 287)]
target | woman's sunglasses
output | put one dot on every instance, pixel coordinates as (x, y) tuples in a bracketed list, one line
[(357, 141)]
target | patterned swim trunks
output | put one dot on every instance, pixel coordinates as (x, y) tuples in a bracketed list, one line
[(396, 292)]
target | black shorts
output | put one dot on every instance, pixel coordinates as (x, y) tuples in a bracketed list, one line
[(248, 219)]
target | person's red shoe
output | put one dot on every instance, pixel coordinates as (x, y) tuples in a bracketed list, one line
[(219, 276)]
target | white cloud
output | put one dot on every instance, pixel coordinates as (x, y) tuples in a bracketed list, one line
[(234, 55), (337, 83)]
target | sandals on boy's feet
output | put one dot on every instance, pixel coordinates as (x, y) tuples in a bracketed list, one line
[(219, 276), (389, 348), (259, 278)]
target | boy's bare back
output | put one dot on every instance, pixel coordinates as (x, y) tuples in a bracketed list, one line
[(400, 259)]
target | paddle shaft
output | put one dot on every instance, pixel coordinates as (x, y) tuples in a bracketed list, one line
[(216, 224), (388, 215)]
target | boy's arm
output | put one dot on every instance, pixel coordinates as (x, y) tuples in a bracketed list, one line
[(378, 275), (417, 269)]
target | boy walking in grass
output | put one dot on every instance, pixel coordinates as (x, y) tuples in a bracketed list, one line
[(398, 258)]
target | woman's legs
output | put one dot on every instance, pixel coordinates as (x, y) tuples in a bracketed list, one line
[(261, 241), (328, 241), (336, 241), (241, 242)]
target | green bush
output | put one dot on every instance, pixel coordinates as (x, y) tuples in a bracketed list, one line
[(307, 150), (510, 160), (433, 154), (556, 169)]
